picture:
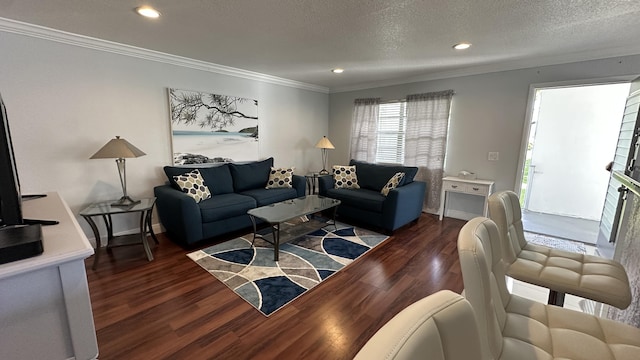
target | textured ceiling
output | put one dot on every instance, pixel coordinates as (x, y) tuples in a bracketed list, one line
[(375, 41)]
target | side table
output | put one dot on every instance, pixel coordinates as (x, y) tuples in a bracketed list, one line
[(312, 180), (105, 210), (477, 187)]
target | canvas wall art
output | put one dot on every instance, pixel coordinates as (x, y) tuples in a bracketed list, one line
[(209, 128)]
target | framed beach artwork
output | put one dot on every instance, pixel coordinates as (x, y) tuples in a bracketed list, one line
[(209, 128)]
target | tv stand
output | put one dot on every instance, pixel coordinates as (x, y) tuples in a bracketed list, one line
[(41, 222), (45, 306)]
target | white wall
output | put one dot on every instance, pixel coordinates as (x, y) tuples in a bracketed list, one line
[(488, 114), (64, 102)]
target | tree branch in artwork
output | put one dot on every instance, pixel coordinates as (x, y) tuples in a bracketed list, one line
[(220, 111)]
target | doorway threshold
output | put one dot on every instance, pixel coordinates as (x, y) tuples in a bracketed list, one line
[(565, 227)]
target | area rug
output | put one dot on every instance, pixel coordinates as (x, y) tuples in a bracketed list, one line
[(556, 243), (304, 263)]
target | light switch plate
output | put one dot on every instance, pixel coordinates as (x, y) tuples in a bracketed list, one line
[(493, 156)]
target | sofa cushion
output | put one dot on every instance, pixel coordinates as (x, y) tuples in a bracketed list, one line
[(280, 178), (193, 185), (375, 176), (269, 196), (359, 198), (345, 177), (225, 206), (216, 177), (393, 183), (251, 175)]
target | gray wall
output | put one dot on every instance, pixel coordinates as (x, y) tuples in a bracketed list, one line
[(65, 102), (488, 114)]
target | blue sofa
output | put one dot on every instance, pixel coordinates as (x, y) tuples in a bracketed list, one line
[(367, 205), (235, 189)]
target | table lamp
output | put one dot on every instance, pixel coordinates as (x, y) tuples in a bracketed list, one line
[(120, 149), (323, 145)]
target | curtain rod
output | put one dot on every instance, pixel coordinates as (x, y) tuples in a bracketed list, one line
[(392, 101), (402, 100)]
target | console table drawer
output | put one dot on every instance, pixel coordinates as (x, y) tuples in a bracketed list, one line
[(477, 189), (454, 186)]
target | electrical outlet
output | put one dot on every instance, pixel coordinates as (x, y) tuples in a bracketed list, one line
[(493, 156)]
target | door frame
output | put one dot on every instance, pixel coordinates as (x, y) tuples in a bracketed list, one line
[(529, 112)]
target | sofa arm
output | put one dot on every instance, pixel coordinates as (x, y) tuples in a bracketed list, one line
[(179, 213), (403, 205), (325, 182), (300, 184)]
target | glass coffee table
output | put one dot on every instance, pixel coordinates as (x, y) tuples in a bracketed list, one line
[(279, 213)]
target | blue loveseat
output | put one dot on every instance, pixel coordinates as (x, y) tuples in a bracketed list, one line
[(235, 188), (367, 205)]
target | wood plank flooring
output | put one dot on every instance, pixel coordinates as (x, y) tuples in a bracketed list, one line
[(170, 308)]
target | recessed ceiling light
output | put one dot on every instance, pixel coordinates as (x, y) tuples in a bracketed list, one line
[(148, 11), (337, 71), (462, 46)]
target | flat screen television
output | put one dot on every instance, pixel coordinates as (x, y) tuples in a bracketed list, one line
[(10, 197), (18, 239)]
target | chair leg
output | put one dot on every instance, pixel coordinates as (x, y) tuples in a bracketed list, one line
[(556, 298)]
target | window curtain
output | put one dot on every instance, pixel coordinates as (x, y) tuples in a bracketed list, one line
[(364, 127), (426, 141)]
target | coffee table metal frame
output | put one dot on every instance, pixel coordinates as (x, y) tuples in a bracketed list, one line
[(277, 214)]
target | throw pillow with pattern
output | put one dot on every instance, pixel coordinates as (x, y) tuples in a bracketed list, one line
[(193, 185), (280, 178), (392, 183), (345, 177)]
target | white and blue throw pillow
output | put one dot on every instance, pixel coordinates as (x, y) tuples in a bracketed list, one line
[(345, 177), (280, 178), (392, 183), (193, 185)]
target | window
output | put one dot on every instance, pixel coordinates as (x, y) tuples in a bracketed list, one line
[(392, 123), (411, 132)]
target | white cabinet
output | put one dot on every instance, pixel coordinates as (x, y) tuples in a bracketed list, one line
[(477, 187), (45, 309)]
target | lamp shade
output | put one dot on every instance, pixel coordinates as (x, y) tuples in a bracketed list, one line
[(324, 143), (116, 149)]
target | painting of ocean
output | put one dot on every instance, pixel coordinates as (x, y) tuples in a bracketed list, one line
[(230, 145), (213, 126)]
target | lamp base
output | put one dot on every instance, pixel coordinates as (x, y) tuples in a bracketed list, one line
[(323, 172), (125, 201)]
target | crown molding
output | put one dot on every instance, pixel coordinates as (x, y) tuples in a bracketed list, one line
[(41, 32), (519, 64)]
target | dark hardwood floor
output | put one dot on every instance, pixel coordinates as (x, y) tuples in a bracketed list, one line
[(170, 308)]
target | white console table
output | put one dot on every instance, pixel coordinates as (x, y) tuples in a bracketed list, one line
[(45, 309), (477, 187)]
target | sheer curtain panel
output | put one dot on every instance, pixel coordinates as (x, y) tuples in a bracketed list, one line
[(364, 128), (426, 141)]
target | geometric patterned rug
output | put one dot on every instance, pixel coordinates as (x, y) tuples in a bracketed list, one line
[(303, 263)]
